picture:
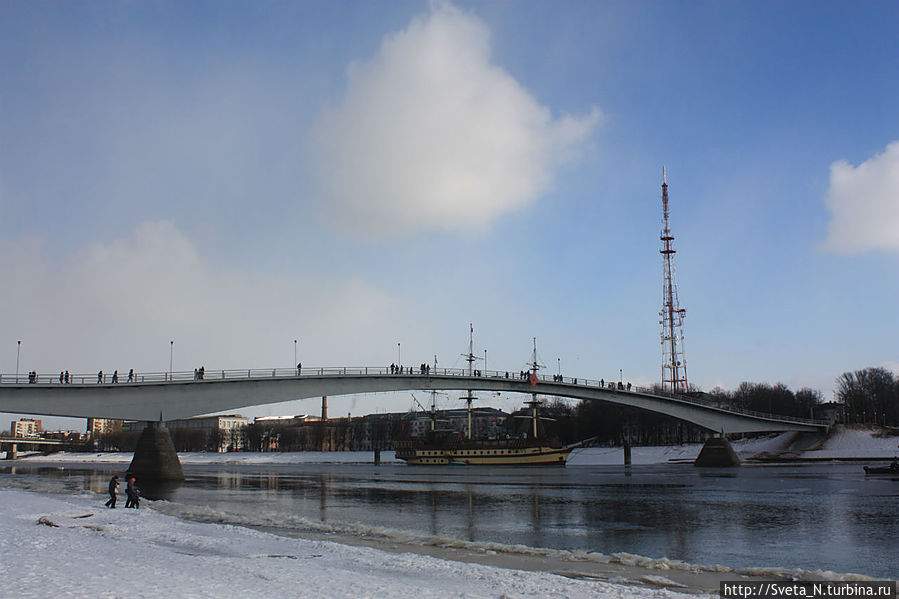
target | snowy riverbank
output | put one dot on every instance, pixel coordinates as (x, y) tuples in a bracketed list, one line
[(159, 550), (68, 546)]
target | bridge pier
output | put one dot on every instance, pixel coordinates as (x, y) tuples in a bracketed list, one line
[(627, 453), (155, 460), (717, 453)]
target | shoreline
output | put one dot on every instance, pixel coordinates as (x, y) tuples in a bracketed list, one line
[(618, 575), (147, 553), (617, 568)]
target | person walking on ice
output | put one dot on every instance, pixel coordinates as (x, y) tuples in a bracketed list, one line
[(113, 485), (133, 494)]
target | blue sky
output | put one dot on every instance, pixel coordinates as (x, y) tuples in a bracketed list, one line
[(234, 176)]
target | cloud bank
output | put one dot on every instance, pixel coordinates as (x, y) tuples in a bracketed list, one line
[(431, 135), (116, 305), (864, 202)]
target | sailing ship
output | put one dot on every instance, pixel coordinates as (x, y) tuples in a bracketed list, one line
[(442, 447)]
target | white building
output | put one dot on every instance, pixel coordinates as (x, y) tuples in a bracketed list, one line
[(229, 431), (25, 427), (102, 426)]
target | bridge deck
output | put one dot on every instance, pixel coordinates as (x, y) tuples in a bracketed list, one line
[(289, 383)]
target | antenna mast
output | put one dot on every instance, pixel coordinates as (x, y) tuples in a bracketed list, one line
[(674, 362)]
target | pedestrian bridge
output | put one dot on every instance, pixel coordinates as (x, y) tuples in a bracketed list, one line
[(169, 396)]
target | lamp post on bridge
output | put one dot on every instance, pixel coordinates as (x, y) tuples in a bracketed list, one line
[(399, 355), (295, 355), (485, 359), (559, 360), (171, 357), (18, 350)]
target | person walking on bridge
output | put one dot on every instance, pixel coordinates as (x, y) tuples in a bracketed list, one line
[(113, 485)]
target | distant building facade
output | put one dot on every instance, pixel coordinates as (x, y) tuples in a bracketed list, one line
[(103, 426), (486, 423), (221, 433), (300, 433), (25, 427), (203, 433), (830, 411)]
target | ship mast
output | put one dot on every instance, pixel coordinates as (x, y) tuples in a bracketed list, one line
[(674, 363), (433, 409), (534, 366), (470, 358), (434, 401)]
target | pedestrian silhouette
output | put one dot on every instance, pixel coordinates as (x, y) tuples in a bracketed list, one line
[(113, 485), (133, 494)]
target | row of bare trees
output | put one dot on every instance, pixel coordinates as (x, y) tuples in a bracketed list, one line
[(870, 395), (771, 399)]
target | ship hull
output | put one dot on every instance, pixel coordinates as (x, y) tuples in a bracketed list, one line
[(492, 456)]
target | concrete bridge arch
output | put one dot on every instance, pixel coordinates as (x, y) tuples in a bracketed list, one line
[(156, 396)]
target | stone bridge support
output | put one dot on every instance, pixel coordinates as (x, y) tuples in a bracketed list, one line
[(155, 460), (717, 453)]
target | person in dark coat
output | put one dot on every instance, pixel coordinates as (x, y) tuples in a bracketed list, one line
[(133, 494), (113, 485)]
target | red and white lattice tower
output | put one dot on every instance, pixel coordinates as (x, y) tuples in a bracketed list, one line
[(674, 362)]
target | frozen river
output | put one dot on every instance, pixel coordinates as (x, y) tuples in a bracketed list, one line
[(814, 517)]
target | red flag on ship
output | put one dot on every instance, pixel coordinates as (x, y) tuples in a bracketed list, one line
[(533, 379)]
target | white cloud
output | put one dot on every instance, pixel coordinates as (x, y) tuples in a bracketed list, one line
[(864, 202), (117, 305), (432, 135)]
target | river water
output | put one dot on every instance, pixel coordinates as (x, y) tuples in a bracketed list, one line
[(809, 516)]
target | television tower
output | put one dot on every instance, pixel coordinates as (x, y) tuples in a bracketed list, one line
[(674, 362)]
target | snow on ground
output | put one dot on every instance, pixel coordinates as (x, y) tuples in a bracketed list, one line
[(859, 441), (70, 546)]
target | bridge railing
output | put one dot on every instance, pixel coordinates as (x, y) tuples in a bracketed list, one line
[(268, 373)]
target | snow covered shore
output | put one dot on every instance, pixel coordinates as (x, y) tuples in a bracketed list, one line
[(97, 552), (844, 442), (69, 546)]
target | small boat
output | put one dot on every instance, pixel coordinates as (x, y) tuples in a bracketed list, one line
[(439, 447), (893, 468)]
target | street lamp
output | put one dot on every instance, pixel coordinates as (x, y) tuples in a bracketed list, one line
[(399, 355), (620, 376), (559, 360), (171, 355), (295, 352), (485, 359), (18, 349)]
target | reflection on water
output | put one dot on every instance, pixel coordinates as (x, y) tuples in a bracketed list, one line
[(95, 480), (814, 517), (159, 490)]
